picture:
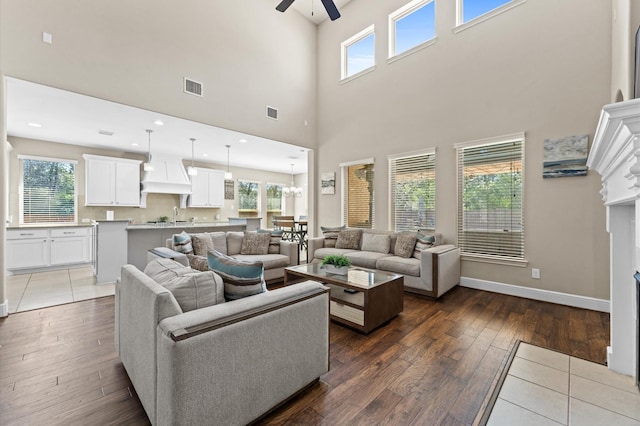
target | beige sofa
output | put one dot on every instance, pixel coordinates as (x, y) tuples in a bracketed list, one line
[(280, 253), (430, 272), (226, 364)]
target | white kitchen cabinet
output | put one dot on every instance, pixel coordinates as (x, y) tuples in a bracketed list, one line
[(70, 245), (207, 188), (27, 249), (44, 248), (111, 181)]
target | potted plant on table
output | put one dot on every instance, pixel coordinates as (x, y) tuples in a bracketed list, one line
[(336, 264)]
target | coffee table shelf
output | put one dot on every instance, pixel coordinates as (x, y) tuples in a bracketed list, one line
[(378, 297)]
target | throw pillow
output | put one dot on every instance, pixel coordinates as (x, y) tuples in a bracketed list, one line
[(234, 242), (219, 241), (423, 242), (199, 263), (241, 279), (380, 243), (202, 243), (330, 235), (274, 243), (191, 289), (255, 243), (349, 239), (405, 243), (182, 243)]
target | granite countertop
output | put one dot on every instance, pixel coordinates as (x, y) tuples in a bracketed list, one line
[(169, 225), (38, 226)]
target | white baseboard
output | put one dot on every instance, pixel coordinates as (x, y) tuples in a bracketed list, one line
[(4, 309), (584, 302)]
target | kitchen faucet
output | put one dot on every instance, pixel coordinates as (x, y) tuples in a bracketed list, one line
[(175, 215)]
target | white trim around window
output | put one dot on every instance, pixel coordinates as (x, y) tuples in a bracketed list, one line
[(461, 26), (344, 47), (396, 16)]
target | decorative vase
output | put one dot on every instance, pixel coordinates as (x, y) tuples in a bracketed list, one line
[(339, 270)]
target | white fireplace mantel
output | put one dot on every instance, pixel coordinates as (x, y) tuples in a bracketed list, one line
[(615, 155)]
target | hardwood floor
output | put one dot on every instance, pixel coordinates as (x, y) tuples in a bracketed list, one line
[(434, 364)]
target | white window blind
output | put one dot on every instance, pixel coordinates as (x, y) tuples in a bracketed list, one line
[(48, 191), (490, 204), (358, 196), (413, 191)]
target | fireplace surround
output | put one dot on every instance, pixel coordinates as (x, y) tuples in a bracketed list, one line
[(615, 156)]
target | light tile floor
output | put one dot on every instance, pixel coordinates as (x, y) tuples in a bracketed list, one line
[(38, 290), (545, 387)]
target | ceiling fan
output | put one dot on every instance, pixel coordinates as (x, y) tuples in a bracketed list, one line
[(332, 10)]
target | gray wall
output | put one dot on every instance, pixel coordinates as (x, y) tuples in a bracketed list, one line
[(543, 67)]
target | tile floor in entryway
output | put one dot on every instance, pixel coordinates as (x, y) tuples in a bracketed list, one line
[(38, 290), (544, 387)]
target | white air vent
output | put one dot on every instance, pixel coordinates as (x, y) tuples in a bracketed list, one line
[(193, 87), (105, 132), (272, 112)]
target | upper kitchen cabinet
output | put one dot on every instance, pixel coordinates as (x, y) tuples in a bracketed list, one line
[(207, 188), (111, 181)]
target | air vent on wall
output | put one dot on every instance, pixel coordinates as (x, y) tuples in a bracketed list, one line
[(193, 87), (105, 132), (272, 112)]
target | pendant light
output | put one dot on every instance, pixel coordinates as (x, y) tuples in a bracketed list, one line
[(228, 175), (292, 191), (191, 170), (148, 167)]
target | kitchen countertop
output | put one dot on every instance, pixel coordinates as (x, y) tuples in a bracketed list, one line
[(38, 226), (169, 225)]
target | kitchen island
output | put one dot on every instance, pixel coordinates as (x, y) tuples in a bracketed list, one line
[(142, 238)]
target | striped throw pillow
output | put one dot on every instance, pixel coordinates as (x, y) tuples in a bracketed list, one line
[(182, 243), (241, 278)]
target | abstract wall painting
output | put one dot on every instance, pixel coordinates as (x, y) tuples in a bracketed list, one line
[(328, 183), (566, 157)]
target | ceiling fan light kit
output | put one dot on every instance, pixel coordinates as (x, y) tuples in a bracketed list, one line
[(329, 5)]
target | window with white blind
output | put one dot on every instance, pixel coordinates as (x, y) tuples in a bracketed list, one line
[(248, 198), (490, 205), (357, 194), (412, 189), (48, 192)]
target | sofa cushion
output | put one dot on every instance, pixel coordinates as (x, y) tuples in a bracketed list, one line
[(399, 265), (202, 243), (423, 242), (255, 243), (191, 289), (331, 234), (234, 242), (276, 237), (241, 279), (182, 243), (365, 259), (379, 243), (219, 242), (405, 243), (349, 239), (198, 263), (326, 251), (269, 261)]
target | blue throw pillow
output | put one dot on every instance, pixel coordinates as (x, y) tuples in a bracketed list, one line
[(241, 278), (182, 243)]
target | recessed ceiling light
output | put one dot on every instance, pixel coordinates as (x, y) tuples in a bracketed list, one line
[(243, 141), (134, 144), (158, 123), (34, 125), (205, 155)]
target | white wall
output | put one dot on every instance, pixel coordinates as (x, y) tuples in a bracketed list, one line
[(543, 67)]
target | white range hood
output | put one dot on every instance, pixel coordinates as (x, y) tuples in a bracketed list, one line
[(167, 177), (615, 155)]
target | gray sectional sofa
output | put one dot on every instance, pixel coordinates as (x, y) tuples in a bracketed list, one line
[(278, 255), (226, 364), (431, 269)]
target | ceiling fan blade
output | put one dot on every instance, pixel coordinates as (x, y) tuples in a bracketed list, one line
[(284, 5), (332, 10)]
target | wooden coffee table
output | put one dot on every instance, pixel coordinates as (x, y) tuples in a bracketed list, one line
[(371, 299)]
